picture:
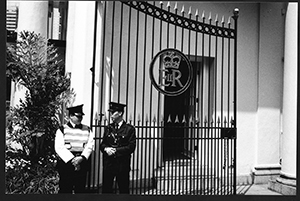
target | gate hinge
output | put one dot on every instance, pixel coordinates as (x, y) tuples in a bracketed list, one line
[(228, 133)]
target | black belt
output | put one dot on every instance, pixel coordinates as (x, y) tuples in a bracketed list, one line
[(75, 153)]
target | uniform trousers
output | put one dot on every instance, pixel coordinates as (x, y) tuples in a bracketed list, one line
[(122, 179), (69, 179)]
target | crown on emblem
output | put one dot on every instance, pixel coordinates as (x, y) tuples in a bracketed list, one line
[(171, 60)]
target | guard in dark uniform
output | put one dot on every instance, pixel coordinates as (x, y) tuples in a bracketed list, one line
[(119, 142), (74, 143)]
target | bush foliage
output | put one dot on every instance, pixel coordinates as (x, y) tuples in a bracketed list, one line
[(31, 125)]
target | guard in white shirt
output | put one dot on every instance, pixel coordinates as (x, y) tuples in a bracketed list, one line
[(74, 143)]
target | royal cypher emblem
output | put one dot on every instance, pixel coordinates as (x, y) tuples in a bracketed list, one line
[(171, 72)]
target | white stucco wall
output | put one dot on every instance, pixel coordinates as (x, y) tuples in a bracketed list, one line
[(270, 80), (79, 52)]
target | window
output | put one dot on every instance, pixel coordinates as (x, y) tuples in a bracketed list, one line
[(57, 20)]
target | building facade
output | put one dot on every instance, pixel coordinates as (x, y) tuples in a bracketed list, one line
[(109, 58)]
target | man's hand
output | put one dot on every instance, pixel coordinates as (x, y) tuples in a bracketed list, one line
[(76, 162), (110, 150)]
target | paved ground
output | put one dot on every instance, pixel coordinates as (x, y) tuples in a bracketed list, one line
[(256, 189)]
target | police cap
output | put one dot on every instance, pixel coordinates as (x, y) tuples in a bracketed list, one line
[(76, 110), (113, 107)]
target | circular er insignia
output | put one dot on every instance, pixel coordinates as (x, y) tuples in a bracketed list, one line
[(171, 72)]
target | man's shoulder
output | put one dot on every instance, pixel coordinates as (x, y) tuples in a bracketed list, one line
[(85, 127), (130, 125)]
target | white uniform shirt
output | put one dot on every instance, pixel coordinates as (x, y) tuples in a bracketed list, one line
[(74, 139)]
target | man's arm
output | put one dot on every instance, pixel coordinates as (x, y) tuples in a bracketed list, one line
[(60, 149), (89, 147), (103, 143), (130, 147)]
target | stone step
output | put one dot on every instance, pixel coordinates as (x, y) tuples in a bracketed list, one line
[(220, 190), (186, 183), (175, 171)]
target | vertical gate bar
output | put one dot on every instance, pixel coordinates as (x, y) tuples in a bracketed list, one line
[(147, 153), (102, 73), (140, 160), (209, 71), (92, 92), (111, 63), (231, 175), (168, 27), (103, 53), (221, 164), (232, 167), (128, 56), (168, 163), (120, 51), (150, 112), (127, 77), (136, 164), (112, 49), (139, 164), (218, 160), (143, 97), (150, 178), (190, 175), (216, 105), (228, 173), (229, 71), (222, 78), (144, 69), (208, 114), (175, 27), (159, 95), (231, 161), (228, 109), (136, 63), (159, 159), (236, 14), (203, 131), (191, 100), (93, 64), (222, 109), (196, 105), (180, 182), (197, 163)]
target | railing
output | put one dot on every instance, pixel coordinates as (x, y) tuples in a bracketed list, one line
[(208, 170)]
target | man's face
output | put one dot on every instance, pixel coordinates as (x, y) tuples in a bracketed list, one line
[(76, 119), (115, 116)]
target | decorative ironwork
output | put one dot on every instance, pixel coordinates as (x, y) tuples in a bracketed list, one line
[(181, 21), (186, 144)]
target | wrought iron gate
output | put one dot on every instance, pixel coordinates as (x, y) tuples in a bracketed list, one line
[(186, 141)]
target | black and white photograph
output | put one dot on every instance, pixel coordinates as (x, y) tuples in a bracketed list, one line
[(151, 98)]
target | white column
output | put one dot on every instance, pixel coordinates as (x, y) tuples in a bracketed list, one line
[(286, 182), (79, 51), (290, 93), (33, 16)]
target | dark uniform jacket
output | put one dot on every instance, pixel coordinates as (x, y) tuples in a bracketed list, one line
[(124, 140)]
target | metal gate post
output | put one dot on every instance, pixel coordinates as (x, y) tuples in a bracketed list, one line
[(235, 17)]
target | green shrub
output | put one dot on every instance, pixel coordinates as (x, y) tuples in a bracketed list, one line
[(31, 125)]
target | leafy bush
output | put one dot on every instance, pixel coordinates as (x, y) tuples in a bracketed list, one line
[(31, 125)]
